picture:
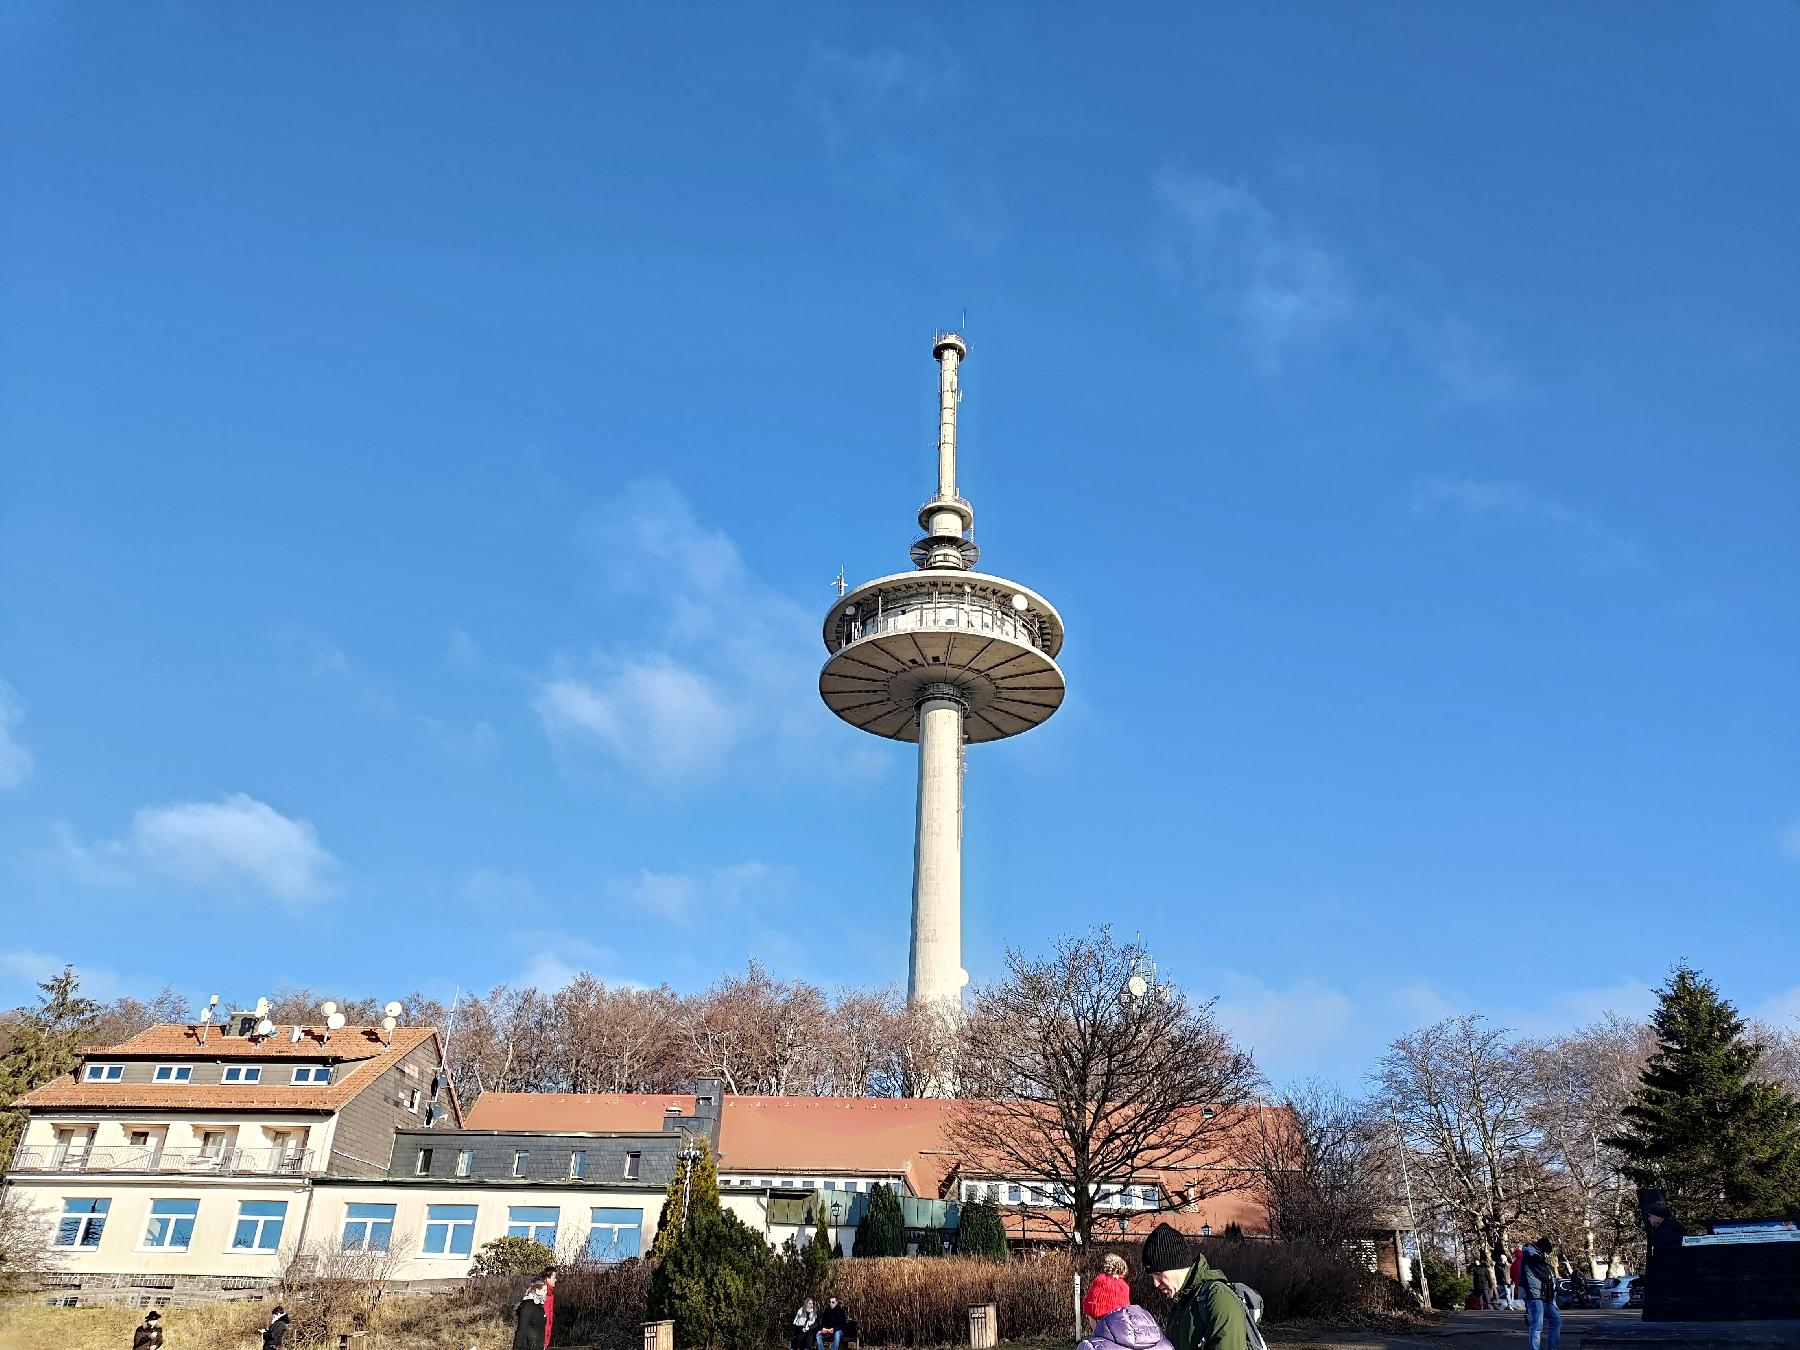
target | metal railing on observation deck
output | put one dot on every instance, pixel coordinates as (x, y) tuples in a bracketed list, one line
[(185, 1161)]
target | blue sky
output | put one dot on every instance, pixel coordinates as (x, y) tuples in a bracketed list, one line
[(428, 434)]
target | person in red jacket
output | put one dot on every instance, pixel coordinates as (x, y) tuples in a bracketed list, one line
[(549, 1279), (1109, 1292)]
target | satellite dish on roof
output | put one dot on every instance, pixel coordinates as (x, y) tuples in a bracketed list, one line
[(389, 1022), (329, 1009), (262, 1007), (335, 1020), (393, 1010), (205, 1016), (265, 1028)]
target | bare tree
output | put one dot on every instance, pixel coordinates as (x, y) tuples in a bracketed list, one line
[(1461, 1102), (1579, 1084), (1078, 1071), (25, 1249), (1322, 1165)]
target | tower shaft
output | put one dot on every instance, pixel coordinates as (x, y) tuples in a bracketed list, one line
[(936, 977)]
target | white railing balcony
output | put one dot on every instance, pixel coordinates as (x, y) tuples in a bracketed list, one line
[(977, 615), (186, 1161)]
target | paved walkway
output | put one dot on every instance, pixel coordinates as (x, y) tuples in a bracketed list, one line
[(1463, 1331)]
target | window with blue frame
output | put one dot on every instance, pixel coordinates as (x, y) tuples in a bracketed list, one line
[(367, 1228), (615, 1234), (171, 1224), (449, 1230), (259, 1224), (537, 1222), (83, 1220)]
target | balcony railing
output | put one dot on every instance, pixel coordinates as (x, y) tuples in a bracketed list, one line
[(185, 1161), (920, 613)]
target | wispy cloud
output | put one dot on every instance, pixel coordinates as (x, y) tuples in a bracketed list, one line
[(682, 897), (555, 959), (1290, 291), (1284, 288), (1289, 1029), (24, 968), (227, 847), (15, 759), (1498, 505), (330, 662), (717, 664)]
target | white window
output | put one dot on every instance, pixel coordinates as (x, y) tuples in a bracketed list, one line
[(535, 1222), (422, 1164), (577, 1164), (171, 1225), (173, 1073), (449, 1230), (633, 1162), (1012, 1195), (103, 1073), (242, 1073), (463, 1161), (521, 1160), (213, 1143), (367, 1228), (614, 1234), (83, 1220), (412, 1100), (259, 1225), (312, 1073)]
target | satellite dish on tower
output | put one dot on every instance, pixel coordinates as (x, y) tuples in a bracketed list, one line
[(1138, 986), (393, 1010)]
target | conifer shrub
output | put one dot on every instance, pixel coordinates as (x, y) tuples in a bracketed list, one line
[(981, 1232), (882, 1229), (713, 1282)]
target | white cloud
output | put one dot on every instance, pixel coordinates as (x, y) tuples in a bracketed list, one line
[(679, 897), (1780, 1009), (15, 759), (711, 664), (1513, 506), (557, 958), (227, 847), (1288, 290), (1421, 1005), (1282, 287), (1290, 1030), (25, 969)]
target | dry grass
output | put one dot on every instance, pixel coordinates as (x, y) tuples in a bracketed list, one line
[(405, 1322), (905, 1300)]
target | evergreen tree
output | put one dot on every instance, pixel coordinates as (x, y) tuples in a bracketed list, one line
[(46, 1042), (713, 1281), (981, 1231), (695, 1185), (882, 1229), (1719, 1141), (818, 1253)]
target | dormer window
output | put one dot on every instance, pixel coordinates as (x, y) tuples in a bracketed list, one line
[(312, 1073), (242, 1073), (103, 1073), (173, 1073)]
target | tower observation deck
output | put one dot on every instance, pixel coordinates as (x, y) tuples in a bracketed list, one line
[(945, 656)]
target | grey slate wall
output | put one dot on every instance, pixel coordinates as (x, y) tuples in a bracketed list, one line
[(363, 1143), (491, 1157)]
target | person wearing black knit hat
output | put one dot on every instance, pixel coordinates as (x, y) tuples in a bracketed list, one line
[(1208, 1314)]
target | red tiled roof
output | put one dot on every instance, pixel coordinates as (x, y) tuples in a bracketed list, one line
[(1239, 1207), (69, 1092), (182, 1041), (777, 1135)]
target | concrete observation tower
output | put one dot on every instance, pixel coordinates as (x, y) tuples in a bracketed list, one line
[(945, 656)]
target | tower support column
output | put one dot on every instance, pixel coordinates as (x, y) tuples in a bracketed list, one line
[(937, 975)]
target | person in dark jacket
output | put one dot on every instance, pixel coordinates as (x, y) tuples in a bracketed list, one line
[(1208, 1315), (832, 1323), (528, 1319), (275, 1334), (1543, 1321), (148, 1336)]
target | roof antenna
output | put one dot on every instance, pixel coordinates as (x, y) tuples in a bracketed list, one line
[(206, 1016)]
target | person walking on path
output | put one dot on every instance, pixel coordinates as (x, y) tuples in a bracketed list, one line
[(1484, 1285), (148, 1336), (1543, 1320), (528, 1319), (1119, 1324), (275, 1334), (548, 1276), (1208, 1314)]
